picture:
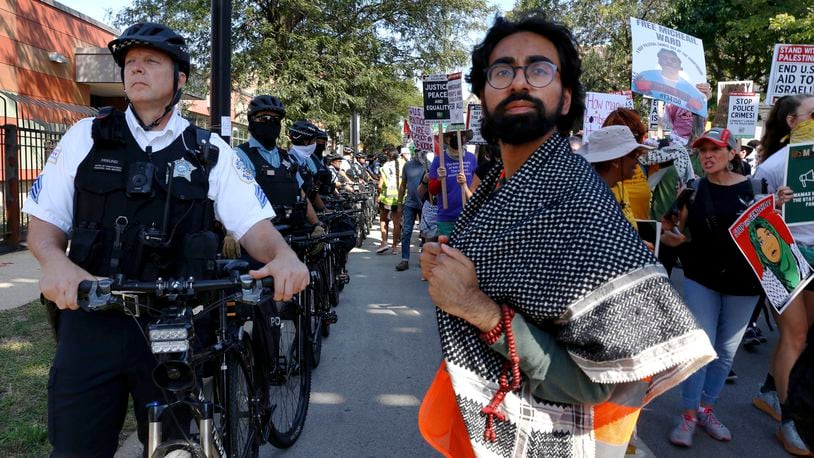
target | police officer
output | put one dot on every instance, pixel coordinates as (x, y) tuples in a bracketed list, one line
[(105, 188), (277, 172)]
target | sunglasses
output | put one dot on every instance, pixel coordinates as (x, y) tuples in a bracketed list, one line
[(265, 118)]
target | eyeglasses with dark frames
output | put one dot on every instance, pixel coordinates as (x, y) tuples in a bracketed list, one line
[(538, 74)]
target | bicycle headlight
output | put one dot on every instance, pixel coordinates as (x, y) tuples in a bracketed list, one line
[(168, 337)]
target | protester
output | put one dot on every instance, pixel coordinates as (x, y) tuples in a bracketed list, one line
[(488, 156), (81, 196), (546, 295), (790, 120), (457, 179), (411, 202), (389, 199), (633, 190), (719, 286)]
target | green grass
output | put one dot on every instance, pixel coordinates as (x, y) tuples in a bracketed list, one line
[(26, 351)]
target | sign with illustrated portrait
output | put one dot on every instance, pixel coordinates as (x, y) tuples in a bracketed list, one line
[(766, 242), (679, 65)]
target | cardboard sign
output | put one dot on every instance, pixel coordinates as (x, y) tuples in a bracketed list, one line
[(443, 99), (724, 89), (628, 94), (800, 178), (655, 115), (681, 65), (473, 118), (597, 107), (792, 71), (766, 242), (420, 130), (742, 117)]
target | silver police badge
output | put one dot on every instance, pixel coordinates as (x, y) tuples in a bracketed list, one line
[(183, 168)]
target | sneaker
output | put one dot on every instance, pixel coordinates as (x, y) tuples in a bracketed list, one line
[(769, 403), (751, 337), (713, 426), (760, 335), (732, 377), (788, 436), (682, 434), (403, 265)]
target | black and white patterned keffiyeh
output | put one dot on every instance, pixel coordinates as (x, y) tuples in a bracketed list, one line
[(552, 243)]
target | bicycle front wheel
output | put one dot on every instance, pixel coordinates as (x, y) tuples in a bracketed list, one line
[(243, 438), (290, 377)]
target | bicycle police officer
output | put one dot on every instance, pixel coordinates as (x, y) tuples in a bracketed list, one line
[(278, 172), (107, 187)]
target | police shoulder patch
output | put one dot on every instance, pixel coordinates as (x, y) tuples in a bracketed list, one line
[(242, 171)]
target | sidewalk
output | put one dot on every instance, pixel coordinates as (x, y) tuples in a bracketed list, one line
[(19, 279)]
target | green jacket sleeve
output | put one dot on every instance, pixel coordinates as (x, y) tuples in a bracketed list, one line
[(553, 375)]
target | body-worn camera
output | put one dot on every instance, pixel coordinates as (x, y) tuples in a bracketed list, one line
[(140, 179)]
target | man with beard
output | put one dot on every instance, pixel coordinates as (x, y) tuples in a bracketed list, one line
[(557, 324), (458, 179)]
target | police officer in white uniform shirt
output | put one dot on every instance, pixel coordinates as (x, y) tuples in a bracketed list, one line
[(104, 187)]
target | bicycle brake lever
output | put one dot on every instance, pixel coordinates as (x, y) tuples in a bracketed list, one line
[(99, 296)]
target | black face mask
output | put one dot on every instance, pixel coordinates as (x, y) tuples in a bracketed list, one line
[(319, 149), (453, 142), (266, 133)]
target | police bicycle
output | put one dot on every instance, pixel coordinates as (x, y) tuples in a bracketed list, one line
[(205, 336)]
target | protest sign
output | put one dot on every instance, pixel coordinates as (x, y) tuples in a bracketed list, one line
[(443, 99), (766, 242), (628, 94), (742, 116), (722, 100), (597, 107), (792, 71), (800, 178), (473, 117), (655, 115), (681, 61), (420, 130)]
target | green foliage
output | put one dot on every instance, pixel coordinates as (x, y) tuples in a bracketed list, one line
[(328, 58), (794, 30)]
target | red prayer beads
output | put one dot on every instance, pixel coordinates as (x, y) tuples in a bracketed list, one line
[(513, 365)]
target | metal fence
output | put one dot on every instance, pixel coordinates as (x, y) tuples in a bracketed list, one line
[(31, 128)]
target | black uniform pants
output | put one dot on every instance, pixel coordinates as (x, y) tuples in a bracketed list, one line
[(101, 359)]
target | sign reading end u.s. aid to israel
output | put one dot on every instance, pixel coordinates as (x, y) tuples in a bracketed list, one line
[(667, 64)]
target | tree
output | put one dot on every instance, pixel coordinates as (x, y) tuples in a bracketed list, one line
[(327, 58)]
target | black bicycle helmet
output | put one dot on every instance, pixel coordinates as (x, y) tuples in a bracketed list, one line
[(266, 103), (151, 35), (321, 134), (162, 38), (302, 131)]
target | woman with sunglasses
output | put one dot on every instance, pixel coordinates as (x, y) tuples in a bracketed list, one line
[(790, 121)]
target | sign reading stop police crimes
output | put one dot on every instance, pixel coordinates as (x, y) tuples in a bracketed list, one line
[(792, 71), (742, 116), (800, 178), (443, 99), (667, 64)]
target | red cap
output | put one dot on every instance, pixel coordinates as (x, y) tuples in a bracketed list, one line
[(719, 136)]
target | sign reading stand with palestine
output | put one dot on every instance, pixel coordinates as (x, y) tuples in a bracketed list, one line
[(800, 178), (792, 72), (742, 116), (443, 100)]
